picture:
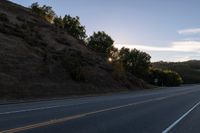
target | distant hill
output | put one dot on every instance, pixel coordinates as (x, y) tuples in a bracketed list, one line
[(39, 60), (189, 70)]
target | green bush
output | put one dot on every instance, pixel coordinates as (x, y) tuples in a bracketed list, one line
[(118, 71), (4, 17), (45, 12), (164, 77), (172, 78), (58, 22), (73, 65)]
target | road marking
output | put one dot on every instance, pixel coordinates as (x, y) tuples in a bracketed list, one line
[(28, 110), (181, 118), (59, 106), (68, 118), (41, 124), (55, 121), (41, 108)]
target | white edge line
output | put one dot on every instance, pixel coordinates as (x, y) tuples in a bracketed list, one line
[(181, 118), (41, 108), (86, 114), (58, 106), (54, 121)]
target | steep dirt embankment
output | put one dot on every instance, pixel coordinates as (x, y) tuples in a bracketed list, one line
[(39, 60)]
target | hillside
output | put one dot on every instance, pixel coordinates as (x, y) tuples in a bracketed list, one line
[(40, 60), (189, 70)]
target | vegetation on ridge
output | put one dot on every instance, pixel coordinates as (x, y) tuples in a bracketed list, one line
[(43, 55), (132, 61), (189, 70)]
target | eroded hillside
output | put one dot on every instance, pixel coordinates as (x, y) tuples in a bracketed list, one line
[(40, 60)]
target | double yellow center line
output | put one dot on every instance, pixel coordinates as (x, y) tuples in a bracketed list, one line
[(68, 118)]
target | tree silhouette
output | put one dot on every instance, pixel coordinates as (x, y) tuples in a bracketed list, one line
[(58, 22), (72, 26), (45, 11), (100, 42), (135, 61)]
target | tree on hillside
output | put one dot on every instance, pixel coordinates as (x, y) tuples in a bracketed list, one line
[(45, 11), (124, 55), (73, 26), (58, 22), (100, 42), (70, 24), (135, 61), (113, 54)]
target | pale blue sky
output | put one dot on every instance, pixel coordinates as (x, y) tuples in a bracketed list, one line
[(168, 30)]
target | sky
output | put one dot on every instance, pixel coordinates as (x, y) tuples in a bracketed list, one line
[(168, 30)]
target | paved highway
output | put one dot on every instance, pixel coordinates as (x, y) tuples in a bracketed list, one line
[(175, 109)]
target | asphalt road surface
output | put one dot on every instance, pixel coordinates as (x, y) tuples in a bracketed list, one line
[(175, 109)]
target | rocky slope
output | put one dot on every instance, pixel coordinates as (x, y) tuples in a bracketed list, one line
[(39, 60)]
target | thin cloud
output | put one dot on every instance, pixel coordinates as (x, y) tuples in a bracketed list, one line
[(179, 46), (189, 31), (143, 47), (187, 46), (185, 58)]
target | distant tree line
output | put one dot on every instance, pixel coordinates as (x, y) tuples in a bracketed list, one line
[(189, 70), (124, 61)]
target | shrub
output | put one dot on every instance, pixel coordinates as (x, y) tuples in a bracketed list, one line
[(58, 22), (45, 12), (118, 71), (20, 18), (4, 17), (62, 41), (164, 77), (172, 78), (24, 26), (73, 65)]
